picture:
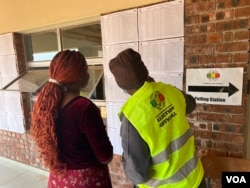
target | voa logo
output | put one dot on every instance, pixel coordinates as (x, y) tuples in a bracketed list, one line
[(241, 179), (236, 179)]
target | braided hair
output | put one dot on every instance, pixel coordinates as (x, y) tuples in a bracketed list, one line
[(66, 67)]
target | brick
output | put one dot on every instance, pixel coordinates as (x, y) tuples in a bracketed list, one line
[(116, 170), (213, 17), (203, 28), (232, 47), (222, 4), (238, 118), (194, 59), (204, 7), (229, 128), (218, 117), (242, 24), (220, 15), (223, 58), (206, 143), (199, 7), (228, 36), (241, 57), (244, 2), (193, 29), (198, 39), (203, 126), (205, 18), (241, 35), (193, 19), (223, 26), (242, 12), (210, 27), (226, 137), (229, 14), (214, 38), (186, 40), (235, 3), (189, 9), (199, 49), (231, 25), (223, 109), (227, 148), (206, 59)]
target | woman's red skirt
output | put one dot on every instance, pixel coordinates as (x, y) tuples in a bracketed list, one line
[(94, 177)]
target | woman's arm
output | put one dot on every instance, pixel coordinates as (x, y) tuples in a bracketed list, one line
[(97, 136)]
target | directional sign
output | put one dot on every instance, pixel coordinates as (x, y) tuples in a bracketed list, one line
[(215, 85), (230, 89)]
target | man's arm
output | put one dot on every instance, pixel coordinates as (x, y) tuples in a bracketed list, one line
[(136, 156), (190, 102)]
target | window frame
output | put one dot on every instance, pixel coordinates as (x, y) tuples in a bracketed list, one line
[(33, 65)]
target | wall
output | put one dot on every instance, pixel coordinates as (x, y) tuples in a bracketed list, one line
[(216, 35), (29, 15)]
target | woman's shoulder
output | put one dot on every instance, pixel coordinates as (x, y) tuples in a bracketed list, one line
[(82, 101), (79, 106)]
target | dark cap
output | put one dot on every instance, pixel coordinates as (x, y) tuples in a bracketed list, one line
[(128, 69)]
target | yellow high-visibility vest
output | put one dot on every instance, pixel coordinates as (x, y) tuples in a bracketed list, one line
[(158, 113)]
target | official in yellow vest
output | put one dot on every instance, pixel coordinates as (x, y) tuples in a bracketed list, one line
[(158, 144)]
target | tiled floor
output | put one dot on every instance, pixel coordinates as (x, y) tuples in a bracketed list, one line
[(18, 175)]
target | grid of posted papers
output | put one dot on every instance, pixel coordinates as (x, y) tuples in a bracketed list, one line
[(156, 32)]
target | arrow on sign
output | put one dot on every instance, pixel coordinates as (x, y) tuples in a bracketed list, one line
[(231, 89)]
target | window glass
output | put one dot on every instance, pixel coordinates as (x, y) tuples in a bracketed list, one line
[(85, 39), (30, 81), (41, 46), (33, 80), (91, 90)]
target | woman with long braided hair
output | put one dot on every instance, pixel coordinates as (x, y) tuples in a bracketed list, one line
[(68, 129)]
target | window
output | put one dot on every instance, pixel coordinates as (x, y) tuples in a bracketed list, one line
[(29, 82), (86, 39), (40, 48)]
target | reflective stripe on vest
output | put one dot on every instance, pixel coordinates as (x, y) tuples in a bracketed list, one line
[(180, 175), (173, 146)]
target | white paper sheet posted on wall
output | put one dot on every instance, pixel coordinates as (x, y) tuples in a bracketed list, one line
[(221, 86)]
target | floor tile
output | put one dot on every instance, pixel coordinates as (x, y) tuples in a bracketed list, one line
[(17, 175)]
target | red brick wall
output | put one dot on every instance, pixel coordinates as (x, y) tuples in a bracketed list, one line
[(19, 147), (216, 35), (119, 179)]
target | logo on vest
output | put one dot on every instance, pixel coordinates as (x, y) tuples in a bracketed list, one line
[(166, 115), (157, 100)]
